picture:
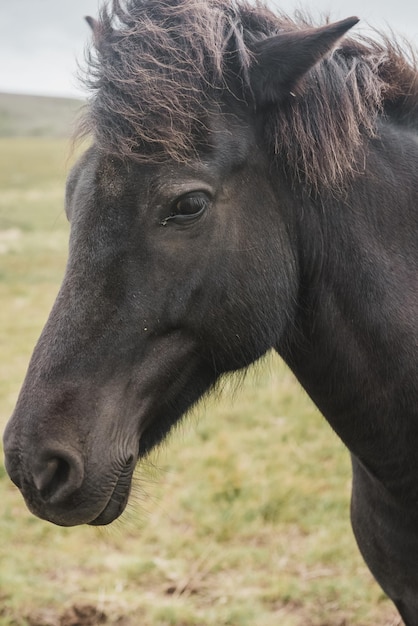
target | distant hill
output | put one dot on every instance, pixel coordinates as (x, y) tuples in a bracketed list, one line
[(37, 116)]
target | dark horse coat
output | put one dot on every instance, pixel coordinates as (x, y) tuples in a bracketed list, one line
[(252, 184)]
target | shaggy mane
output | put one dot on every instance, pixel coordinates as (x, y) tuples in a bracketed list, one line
[(159, 65)]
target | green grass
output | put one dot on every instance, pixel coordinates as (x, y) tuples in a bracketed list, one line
[(242, 519)]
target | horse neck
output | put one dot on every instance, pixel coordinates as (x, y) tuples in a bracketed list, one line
[(354, 346)]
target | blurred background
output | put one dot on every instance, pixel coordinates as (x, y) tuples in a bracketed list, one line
[(243, 519)]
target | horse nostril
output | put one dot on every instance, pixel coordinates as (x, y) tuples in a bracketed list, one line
[(57, 475), (50, 475)]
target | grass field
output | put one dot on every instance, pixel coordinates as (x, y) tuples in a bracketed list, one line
[(241, 520)]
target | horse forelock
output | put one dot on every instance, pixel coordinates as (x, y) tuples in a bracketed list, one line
[(153, 75), (160, 65)]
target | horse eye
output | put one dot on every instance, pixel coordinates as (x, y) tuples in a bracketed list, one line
[(191, 204), (188, 208)]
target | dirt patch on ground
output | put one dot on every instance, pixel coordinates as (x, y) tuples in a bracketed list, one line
[(77, 615), (89, 615)]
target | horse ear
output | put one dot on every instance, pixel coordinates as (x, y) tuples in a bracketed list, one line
[(282, 61), (97, 29), (93, 23)]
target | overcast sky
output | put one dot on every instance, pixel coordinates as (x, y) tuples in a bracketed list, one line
[(41, 40)]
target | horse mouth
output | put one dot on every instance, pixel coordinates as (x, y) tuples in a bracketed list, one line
[(118, 499)]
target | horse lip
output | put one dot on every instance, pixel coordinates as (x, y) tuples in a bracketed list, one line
[(118, 498)]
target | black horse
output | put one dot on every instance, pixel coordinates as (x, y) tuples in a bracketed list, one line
[(252, 183)]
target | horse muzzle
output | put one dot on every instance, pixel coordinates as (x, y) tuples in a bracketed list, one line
[(59, 487)]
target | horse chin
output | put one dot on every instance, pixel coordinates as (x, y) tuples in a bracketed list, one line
[(117, 501)]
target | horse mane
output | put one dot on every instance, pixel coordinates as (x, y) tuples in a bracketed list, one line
[(159, 66)]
